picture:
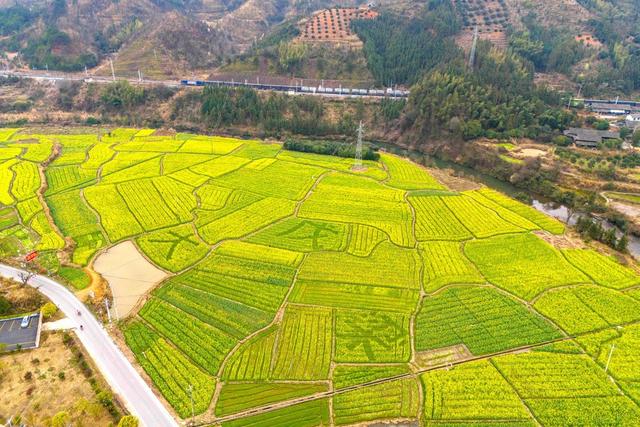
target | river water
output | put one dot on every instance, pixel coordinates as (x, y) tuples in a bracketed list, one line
[(561, 213)]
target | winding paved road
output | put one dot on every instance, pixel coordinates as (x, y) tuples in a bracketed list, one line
[(117, 370)]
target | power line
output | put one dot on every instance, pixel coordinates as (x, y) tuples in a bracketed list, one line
[(472, 55)]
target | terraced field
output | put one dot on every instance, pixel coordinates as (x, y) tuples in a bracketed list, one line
[(300, 293)]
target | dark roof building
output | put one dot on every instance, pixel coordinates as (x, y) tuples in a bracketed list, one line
[(590, 138), (612, 109)]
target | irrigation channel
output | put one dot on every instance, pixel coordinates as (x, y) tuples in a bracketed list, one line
[(558, 211)]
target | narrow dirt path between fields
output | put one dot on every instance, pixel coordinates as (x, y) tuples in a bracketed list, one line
[(44, 186), (448, 365), (279, 315)]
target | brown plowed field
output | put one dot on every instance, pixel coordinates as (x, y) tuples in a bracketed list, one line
[(489, 16), (334, 25)]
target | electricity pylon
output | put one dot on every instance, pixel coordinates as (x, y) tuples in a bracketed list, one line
[(358, 163)]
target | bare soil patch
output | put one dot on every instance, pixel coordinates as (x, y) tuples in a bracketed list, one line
[(23, 299), (40, 383), (564, 241), (129, 274), (442, 356), (532, 152), (453, 182)]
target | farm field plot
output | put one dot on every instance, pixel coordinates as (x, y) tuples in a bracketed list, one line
[(479, 219), (522, 264), (76, 220), (445, 264), (588, 308), (236, 397), (568, 385), (344, 198), (173, 249), (330, 296), (367, 336), (483, 319), (36, 148), (388, 401), (543, 221), (387, 265), (603, 270), (624, 365), (473, 392), (408, 175), (435, 221)]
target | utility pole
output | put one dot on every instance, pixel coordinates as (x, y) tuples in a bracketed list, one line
[(192, 406), (106, 304), (606, 368), (139, 76), (113, 72), (115, 308), (472, 55), (357, 166)]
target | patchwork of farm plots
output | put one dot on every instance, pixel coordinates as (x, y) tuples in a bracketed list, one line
[(331, 297)]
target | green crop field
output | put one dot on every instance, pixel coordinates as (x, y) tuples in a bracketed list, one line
[(300, 292)]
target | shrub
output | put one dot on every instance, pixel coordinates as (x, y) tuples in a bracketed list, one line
[(61, 419), (48, 310), (128, 421), (5, 306), (122, 95), (602, 125), (561, 141)]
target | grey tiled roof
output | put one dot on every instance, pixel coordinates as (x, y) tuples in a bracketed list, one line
[(590, 135)]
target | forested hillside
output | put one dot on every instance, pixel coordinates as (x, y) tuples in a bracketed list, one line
[(591, 43)]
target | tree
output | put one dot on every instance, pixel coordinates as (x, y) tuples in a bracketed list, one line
[(122, 95), (625, 132), (290, 55), (48, 310), (623, 243), (25, 277), (561, 141), (602, 125), (5, 305), (472, 130), (636, 138), (128, 421)]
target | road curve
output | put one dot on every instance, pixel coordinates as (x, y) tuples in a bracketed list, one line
[(117, 370)]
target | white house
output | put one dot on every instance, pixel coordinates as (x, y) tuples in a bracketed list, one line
[(633, 121)]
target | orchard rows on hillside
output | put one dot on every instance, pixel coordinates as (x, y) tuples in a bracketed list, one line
[(294, 278)]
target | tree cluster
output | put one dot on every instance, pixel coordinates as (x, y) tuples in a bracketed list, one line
[(334, 148), (274, 113), (496, 99), (400, 50), (39, 52), (593, 230), (548, 49)]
